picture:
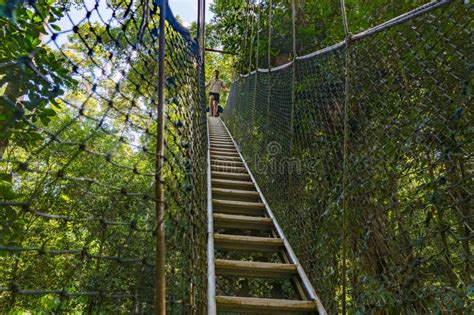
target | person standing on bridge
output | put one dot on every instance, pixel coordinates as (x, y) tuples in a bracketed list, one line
[(215, 86)]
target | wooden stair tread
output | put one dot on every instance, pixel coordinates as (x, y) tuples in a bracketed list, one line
[(247, 243), (221, 141), (237, 204), (263, 306), (225, 152), (238, 207), (229, 168), (233, 183), (222, 145), (235, 192), (254, 269), (226, 163), (242, 222), (226, 157), (216, 174)]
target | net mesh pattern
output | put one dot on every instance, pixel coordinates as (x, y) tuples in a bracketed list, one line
[(78, 141), (401, 197)]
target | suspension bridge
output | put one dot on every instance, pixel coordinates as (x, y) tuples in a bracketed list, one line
[(337, 181)]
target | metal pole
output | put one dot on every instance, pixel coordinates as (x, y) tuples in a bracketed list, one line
[(160, 274)]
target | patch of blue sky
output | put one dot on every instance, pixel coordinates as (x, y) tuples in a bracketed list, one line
[(186, 10)]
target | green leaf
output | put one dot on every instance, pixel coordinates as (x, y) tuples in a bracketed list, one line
[(3, 88), (6, 190), (55, 27)]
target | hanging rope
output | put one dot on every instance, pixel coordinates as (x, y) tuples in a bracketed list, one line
[(251, 36), (269, 58), (269, 55), (345, 157), (244, 39)]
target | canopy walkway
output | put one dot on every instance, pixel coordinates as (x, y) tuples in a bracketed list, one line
[(243, 222), (337, 180)]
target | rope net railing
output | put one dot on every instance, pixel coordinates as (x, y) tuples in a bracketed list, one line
[(372, 182), (78, 125)]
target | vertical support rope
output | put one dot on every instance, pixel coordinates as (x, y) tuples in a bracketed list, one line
[(293, 28), (258, 39), (293, 97), (269, 57), (251, 38), (345, 158), (160, 279), (256, 63), (242, 65)]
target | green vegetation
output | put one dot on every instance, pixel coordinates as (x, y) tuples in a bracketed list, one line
[(318, 25), (78, 164), (77, 167), (398, 196)]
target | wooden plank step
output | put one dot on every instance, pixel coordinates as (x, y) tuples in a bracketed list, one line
[(228, 168), (218, 135), (248, 185), (233, 150), (217, 142), (237, 204), (237, 207), (224, 157), (219, 145), (263, 306), (247, 243), (227, 162), (226, 175), (222, 144), (242, 222), (253, 269), (235, 192), (224, 151), (222, 140), (222, 147)]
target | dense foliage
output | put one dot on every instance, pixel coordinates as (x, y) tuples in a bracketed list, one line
[(78, 136), (384, 181), (78, 140), (238, 23)]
